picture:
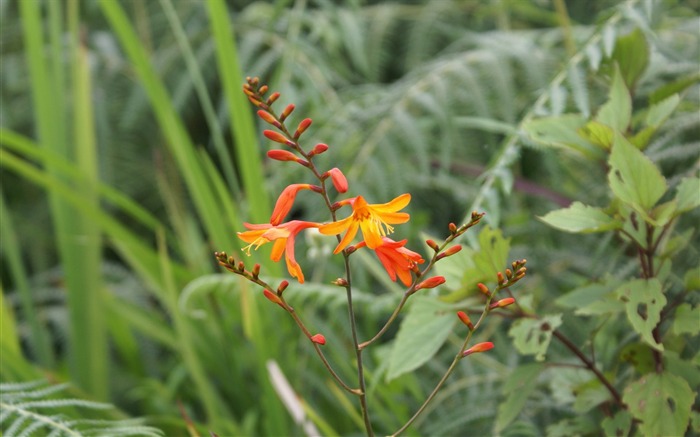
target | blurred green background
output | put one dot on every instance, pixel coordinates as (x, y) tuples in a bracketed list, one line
[(129, 155)]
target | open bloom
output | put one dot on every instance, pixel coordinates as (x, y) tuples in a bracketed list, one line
[(396, 259), (283, 235), (374, 220)]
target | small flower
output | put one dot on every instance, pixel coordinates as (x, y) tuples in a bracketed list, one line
[(286, 201), (374, 220), (283, 235), (339, 181), (479, 347), (396, 259), (318, 339)]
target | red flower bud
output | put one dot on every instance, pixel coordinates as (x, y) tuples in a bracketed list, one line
[(479, 347), (431, 282), (277, 137), (465, 319), (256, 271), (269, 118), (283, 286), (272, 98), (449, 252), (305, 123), (282, 155), (433, 245), (272, 297), (484, 289), (263, 89), (318, 149), (452, 227), (288, 110), (499, 277), (502, 303), (339, 181), (318, 339)]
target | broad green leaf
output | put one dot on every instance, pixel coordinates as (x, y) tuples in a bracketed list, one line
[(519, 385), (687, 320), (644, 301), (633, 177), (640, 356), (661, 402), (659, 112), (691, 279), (492, 256), (597, 133), (674, 87), (590, 395), (618, 425), (663, 213), (688, 194), (587, 294), (532, 336), (578, 426), (422, 333), (580, 218), (683, 367), (631, 54), (617, 111), (562, 132)]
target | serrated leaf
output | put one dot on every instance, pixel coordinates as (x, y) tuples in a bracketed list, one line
[(617, 111), (532, 336), (561, 132), (619, 425), (688, 194), (422, 333), (580, 218), (663, 213), (519, 385), (633, 177), (632, 56), (597, 133), (644, 301), (661, 402), (687, 320)]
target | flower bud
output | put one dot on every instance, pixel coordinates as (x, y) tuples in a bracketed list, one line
[(452, 227), (305, 123), (288, 110), (277, 137), (484, 289), (282, 155), (499, 277), (479, 347), (256, 271), (273, 97), (283, 286), (502, 303), (269, 118), (318, 339), (272, 297), (318, 149), (465, 319), (433, 245), (263, 89), (449, 252), (339, 181), (431, 282), (340, 282)]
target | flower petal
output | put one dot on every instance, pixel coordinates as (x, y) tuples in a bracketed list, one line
[(396, 204)]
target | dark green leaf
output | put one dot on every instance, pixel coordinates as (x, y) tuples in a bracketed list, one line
[(619, 425), (632, 56), (644, 301)]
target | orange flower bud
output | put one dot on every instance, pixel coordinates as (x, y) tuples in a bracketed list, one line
[(263, 89), (502, 303), (339, 181), (282, 155), (285, 202), (283, 286), (499, 277), (256, 271), (465, 319), (318, 149), (433, 245), (509, 273), (272, 98), (318, 339), (272, 297), (288, 110), (452, 227), (479, 347), (431, 282), (266, 116), (449, 252), (305, 123), (277, 137), (484, 289)]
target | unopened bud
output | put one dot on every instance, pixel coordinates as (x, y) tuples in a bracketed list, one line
[(499, 277), (277, 137), (269, 118), (465, 319), (433, 245), (273, 97), (263, 89), (256, 271), (502, 303), (340, 282), (305, 123), (272, 297), (431, 282), (288, 110), (484, 289), (509, 273), (318, 149), (318, 339), (339, 181), (282, 155), (449, 252), (479, 347), (241, 266), (283, 286), (452, 227)]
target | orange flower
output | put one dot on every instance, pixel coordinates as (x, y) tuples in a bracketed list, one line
[(373, 220), (286, 201), (283, 235), (396, 259)]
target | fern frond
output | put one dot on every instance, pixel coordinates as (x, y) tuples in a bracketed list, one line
[(26, 410)]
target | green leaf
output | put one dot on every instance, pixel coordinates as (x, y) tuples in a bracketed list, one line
[(519, 385), (661, 402), (691, 279), (640, 356), (644, 301), (617, 111), (422, 333), (590, 395), (582, 296), (562, 131), (687, 320), (597, 133), (492, 256), (674, 87), (633, 177), (532, 336), (659, 112), (688, 194), (580, 218), (619, 425), (632, 56)]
